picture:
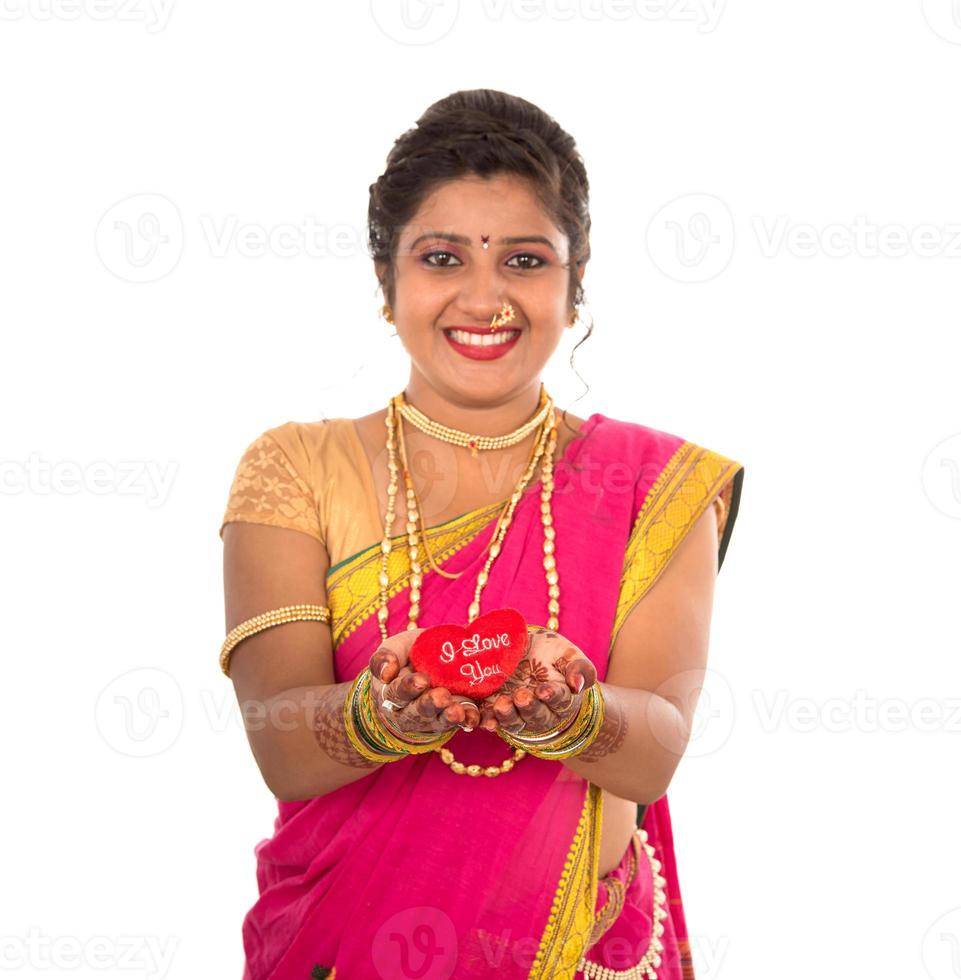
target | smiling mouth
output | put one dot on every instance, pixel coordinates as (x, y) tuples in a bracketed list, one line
[(482, 339)]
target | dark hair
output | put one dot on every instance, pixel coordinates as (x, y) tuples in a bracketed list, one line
[(483, 132)]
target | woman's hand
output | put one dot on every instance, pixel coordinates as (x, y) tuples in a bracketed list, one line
[(405, 698), (545, 690)]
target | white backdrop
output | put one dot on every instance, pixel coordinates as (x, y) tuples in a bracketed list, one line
[(775, 276)]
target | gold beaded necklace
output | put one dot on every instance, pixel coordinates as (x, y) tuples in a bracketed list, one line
[(542, 453)]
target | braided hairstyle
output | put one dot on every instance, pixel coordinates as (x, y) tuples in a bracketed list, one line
[(481, 132)]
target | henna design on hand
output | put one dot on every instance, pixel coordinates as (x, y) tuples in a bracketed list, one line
[(612, 734), (329, 732)]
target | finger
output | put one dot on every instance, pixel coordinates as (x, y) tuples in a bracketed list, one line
[(392, 654), (577, 669), (487, 717), (384, 664), (506, 713), (534, 713), (423, 713), (556, 695), (405, 688), (463, 713)]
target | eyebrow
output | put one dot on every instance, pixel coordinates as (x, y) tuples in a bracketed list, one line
[(464, 240)]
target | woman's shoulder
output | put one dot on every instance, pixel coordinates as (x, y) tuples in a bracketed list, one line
[(309, 441), (677, 479)]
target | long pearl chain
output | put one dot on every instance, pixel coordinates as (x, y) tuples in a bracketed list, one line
[(543, 453), (546, 458)]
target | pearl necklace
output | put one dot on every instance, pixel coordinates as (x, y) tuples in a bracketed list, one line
[(548, 434), (467, 439)]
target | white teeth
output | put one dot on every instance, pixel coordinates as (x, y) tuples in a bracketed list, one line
[(481, 339)]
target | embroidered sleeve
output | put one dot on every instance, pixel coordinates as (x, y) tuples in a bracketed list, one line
[(268, 489)]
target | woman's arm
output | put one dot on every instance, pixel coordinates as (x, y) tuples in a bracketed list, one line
[(283, 676), (655, 674)]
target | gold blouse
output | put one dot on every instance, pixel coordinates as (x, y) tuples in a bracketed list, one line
[(294, 475)]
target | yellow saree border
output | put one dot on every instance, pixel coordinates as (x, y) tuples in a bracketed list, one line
[(687, 485), (571, 917), (353, 588)]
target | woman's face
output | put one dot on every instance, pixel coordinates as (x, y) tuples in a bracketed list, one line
[(445, 279)]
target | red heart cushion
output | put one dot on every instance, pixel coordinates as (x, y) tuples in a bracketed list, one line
[(474, 660)]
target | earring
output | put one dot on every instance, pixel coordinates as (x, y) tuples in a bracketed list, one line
[(387, 313)]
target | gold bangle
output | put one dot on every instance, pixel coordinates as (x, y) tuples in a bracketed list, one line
[(574, 738), (355, 733), (399, 741), (273, 617), (552, 736), (579, 742), (374, 726)]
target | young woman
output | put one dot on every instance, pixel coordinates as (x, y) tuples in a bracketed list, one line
[(423, 833)]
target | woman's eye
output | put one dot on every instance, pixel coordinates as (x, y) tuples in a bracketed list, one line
[(442, 265), (527, 255), (440, 259)]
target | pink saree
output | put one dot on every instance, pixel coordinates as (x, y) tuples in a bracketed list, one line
[(415, 872)]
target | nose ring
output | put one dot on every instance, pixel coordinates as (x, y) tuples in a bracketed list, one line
[(505, 316)]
